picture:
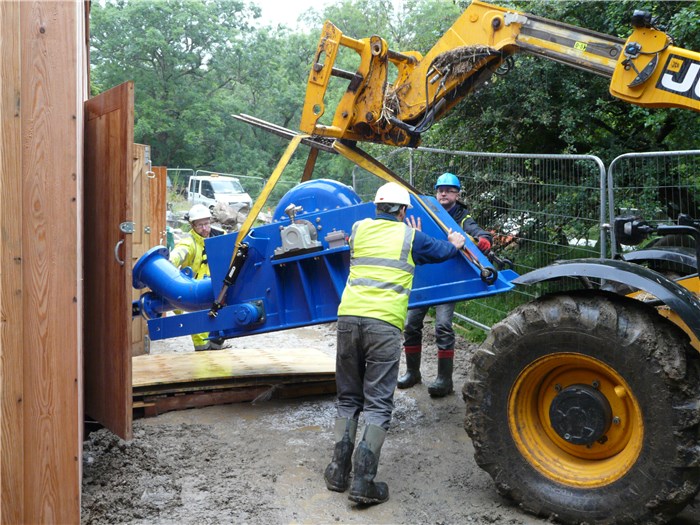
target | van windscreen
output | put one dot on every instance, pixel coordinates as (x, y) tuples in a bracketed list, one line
[(227, 186)]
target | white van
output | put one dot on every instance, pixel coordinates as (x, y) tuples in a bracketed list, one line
[(210, 189)]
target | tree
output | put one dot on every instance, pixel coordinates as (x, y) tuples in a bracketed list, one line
[(197, 63), (174, 52)]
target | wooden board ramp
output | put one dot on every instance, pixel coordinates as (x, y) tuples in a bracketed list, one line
[(175, 381)]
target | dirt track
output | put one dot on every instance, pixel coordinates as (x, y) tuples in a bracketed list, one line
[(263, 462)]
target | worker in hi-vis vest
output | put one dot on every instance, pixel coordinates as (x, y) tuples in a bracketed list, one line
[(189, 251), (371, 315)]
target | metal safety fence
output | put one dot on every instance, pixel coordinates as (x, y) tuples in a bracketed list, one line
[(539, 208), (656, 186), (177, 179)]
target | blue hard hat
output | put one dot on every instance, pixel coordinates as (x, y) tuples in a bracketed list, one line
[(448, 179)]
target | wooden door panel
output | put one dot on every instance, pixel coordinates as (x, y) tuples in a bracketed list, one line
[(149, 201), (109, 137)]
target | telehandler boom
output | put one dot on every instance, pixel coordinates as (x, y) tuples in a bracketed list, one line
[(646, 70)]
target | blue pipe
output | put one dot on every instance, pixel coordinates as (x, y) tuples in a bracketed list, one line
[(171, 288)]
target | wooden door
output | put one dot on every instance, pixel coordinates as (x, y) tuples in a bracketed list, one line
[(109, 137), (149, 187)]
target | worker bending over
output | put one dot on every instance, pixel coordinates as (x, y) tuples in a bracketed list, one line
[(371, 315)]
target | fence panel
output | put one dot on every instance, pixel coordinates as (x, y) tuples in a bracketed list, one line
[(656, 186), (179, 178)]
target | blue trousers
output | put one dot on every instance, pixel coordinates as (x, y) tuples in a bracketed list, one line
[(444, 333), (367, 368)]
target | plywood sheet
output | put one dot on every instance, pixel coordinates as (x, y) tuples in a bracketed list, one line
[(162, 369)]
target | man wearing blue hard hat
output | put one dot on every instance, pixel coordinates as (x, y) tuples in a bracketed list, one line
[(447, 190)]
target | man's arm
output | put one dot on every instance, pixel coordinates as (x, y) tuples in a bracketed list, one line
[(482, 238), (182, 252), (470, 226), (427, 249)]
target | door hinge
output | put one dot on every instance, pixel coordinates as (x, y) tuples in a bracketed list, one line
[(127, 227)]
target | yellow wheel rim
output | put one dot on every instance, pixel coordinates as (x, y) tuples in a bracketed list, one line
[(586, 466)]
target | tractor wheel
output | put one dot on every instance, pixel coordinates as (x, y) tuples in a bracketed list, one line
[(584, 408)]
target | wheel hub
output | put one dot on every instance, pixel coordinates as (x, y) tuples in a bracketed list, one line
[(580, 415)]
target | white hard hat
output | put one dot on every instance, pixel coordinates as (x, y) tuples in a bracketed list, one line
[(199, 211), (393, 193)]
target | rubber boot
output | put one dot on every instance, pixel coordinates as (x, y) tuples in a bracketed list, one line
[(412, 375), (200, 342), (337, 472), (443, 384), (219, 344), (363, 488)]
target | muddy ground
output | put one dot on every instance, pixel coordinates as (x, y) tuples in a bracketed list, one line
[(263, 462)]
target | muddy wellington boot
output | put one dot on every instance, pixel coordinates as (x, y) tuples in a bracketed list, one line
[(443, 384), (363, 488), (412, 375), (337, 472)]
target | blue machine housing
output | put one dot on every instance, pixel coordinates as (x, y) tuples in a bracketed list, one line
[(277, 291)]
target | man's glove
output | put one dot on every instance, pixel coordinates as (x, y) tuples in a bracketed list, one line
[(484, 244)]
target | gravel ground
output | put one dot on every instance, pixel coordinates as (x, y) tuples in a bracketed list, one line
[(263, 462)]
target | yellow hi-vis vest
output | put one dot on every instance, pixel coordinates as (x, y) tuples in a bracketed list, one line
[(190, 252), (381, 271)]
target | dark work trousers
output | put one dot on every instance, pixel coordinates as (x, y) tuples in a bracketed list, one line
[(367, 368), (444, 333)]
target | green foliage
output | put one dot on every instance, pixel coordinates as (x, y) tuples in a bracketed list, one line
[(176, 201), (176, 52)]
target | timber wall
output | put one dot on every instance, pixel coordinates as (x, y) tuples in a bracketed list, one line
[(44, 67)]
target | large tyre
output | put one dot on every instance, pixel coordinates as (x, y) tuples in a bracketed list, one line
[(584, 408)]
